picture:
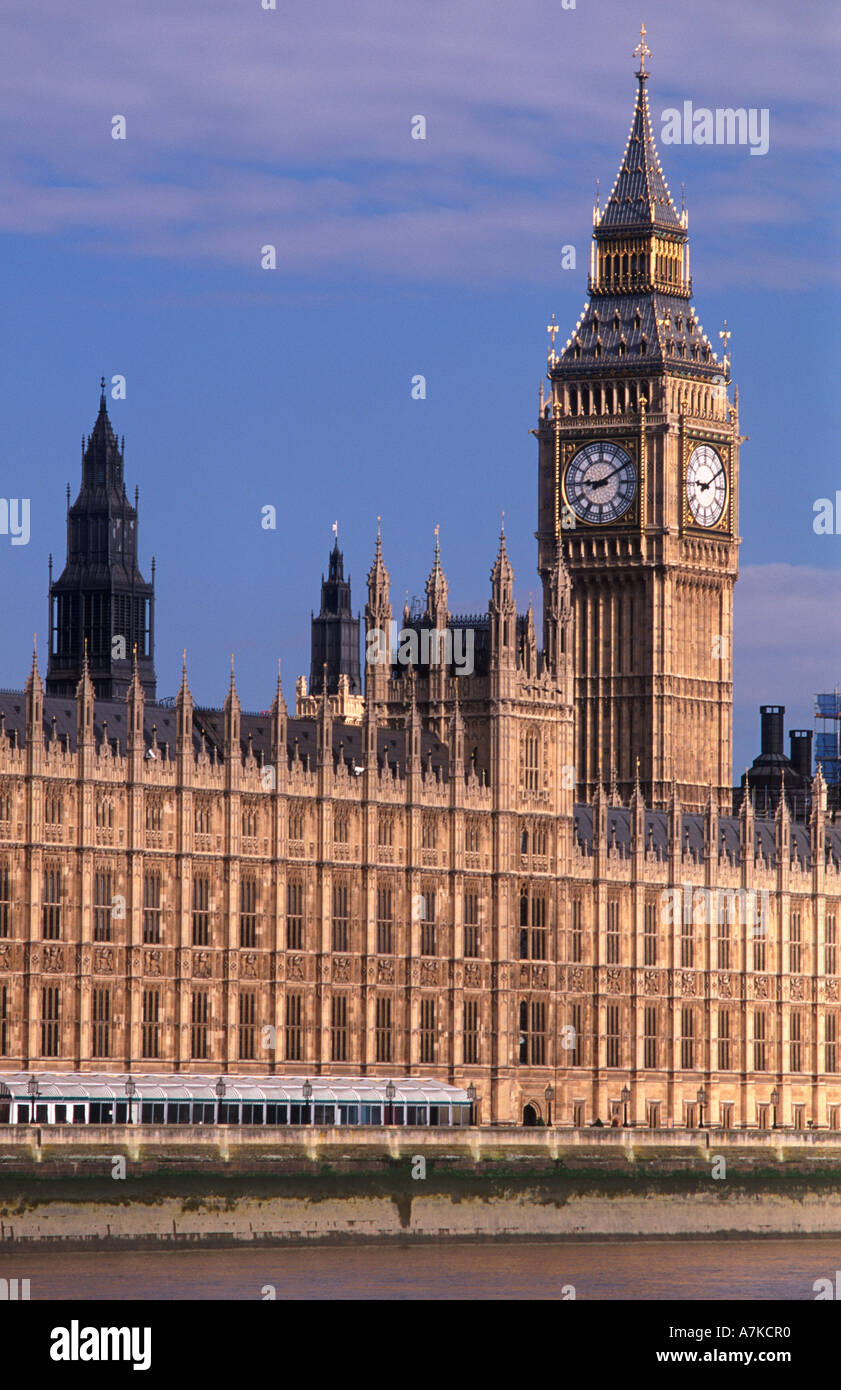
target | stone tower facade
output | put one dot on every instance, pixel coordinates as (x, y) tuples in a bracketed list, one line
[(638, 478)]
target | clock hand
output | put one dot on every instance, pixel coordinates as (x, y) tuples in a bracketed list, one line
[(710, 481), (600, 482)]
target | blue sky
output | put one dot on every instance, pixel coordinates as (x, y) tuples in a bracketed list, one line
[(395, 257)]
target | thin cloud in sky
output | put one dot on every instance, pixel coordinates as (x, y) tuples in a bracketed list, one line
[(292, 127)]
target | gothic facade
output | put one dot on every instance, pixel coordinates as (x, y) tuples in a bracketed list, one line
[(520, 871)]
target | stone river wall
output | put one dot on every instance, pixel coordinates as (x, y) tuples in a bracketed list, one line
[(66, 1188)]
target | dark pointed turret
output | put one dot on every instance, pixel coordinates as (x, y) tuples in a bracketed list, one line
[(335, 633), (101, 598)]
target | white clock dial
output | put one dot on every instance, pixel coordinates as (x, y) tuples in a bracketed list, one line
[(601, 482), (706, 485)]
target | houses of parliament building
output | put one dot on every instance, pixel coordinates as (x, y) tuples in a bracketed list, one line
[(528, 873)]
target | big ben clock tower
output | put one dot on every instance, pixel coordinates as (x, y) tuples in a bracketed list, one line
[(638, 483)]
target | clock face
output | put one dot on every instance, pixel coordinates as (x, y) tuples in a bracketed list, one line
[(706, 485), (601, 482)]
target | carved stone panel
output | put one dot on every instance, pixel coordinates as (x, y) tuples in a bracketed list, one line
[(202, 965), (53, 960), (153, 963), (103, 960)]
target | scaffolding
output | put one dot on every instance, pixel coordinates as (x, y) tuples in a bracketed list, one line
[(828, 736)]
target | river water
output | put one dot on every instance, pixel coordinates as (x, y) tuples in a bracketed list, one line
[(647, 1270)]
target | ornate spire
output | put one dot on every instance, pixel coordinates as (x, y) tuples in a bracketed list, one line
[(232, 711), (437, 589), (502, 574), (34, 681), (640, 196), (379, 580), (184, 713)]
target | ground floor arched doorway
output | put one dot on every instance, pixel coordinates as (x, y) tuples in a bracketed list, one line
[(529, 1115)]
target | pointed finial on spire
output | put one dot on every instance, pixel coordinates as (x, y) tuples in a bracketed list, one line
[(102, 393), (184, 663), (643, 51), (614, 787)]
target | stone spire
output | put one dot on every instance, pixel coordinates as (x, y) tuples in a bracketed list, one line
[(378, 619), (502, 609), (84, 706), (280, 725), (184, 714), (233, 721), (437, 591), (135, 741)]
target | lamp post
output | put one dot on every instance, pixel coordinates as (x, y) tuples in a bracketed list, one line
[(131, 1092), (625, 1098), (702, 1100), (471, 1096), (390, 1093), (549, 1093), (775, 1100), (220, 1095), (32, 1088), (307, 1090)]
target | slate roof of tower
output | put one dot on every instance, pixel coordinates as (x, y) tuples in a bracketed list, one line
[(640, 196), (625, 320)]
